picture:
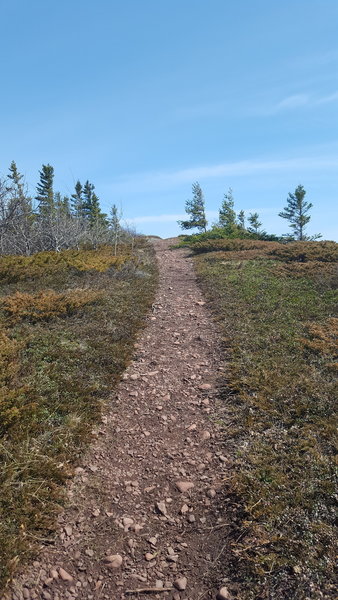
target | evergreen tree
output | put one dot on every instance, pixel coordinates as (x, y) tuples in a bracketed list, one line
[(20, 202), (96, 216), (227, 215), (296, 212), (45, 193), (196, 209), (254, 222), (115, 225), (77, 200), (241, 219), (87, 195)]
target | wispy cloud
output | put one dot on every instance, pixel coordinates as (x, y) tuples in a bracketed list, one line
[(211, 214), (296, 101), (165, 180)]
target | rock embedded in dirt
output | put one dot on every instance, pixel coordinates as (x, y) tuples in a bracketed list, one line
[(113, 561), (205, 386), (205, 435), (181, 583), (64, 575), (184, 486), (224, 594)]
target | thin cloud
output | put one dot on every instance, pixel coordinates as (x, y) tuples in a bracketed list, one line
[(164, 180), (211, 214), (299, 101)]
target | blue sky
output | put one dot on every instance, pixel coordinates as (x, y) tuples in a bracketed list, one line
[(144, 97)]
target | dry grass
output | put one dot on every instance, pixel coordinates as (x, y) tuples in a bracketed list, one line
[(280, 334), (67, 325)]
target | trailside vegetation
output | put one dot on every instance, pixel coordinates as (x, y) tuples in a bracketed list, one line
[(195, 207), (277, 306), (52, 221), (68, 321), (232, 225)]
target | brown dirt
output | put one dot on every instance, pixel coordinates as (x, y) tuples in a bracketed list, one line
[(161, 429)]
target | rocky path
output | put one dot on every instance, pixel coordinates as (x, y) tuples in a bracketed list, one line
[(143, 511)]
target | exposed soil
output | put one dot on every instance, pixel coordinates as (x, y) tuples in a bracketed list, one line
[(143, 508)]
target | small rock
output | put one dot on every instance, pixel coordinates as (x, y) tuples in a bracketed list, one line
[(184, 486), (148, 556), (181, 583), (205, 386), (159, 583), (127, 523), (152, 541), (26, 594), (211, 493), (64, 575), (205, 435), (89, 552), (224, 594), (54, 574), (113, 561), (191, 518), (161, 507), (184, 509), (68, 530)]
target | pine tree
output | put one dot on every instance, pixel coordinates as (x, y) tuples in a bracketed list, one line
[(254, 222), (77, 200), (45, 193), (227, 215), (241, 219), (115, 225), (196, 209), (20, 202), (296, 212)]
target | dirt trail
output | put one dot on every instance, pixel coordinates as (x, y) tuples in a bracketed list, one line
[(125, 500)]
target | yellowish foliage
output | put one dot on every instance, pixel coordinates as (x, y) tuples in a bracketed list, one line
[(15, 268), (45, 304)]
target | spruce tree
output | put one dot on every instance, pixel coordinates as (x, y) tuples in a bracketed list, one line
[(254, 222), (196, 209), (45, 193), (227, 215), (296, 212), (241, 219), (77, 200), (20, 202)]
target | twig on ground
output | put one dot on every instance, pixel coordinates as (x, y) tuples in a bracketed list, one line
[(148, 590)]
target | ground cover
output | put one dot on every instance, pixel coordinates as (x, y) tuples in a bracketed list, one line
[(278, 312), (67, 325)]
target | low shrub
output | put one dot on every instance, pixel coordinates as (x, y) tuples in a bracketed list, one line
[(46, 304), (307, 251)]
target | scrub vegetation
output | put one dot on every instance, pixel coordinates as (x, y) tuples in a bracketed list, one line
[(277, 308), (68, 321)]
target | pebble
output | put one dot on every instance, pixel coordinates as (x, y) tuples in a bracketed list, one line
[(184, 486), (205, 435), (181, 583), (205, 386), (64, 575), (223, 594), (113, 561)]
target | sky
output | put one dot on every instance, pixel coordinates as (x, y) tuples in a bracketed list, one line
[(145, 97)]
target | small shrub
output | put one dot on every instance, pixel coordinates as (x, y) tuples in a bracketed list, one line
[(307, 251), (46, 304)]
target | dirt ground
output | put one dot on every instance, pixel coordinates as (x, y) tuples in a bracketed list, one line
[(144, 509)]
